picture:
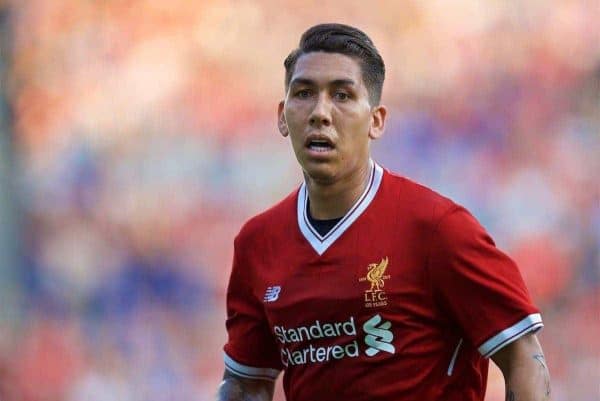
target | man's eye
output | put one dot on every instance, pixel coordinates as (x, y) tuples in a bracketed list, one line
[(341, 96), (303, 93)]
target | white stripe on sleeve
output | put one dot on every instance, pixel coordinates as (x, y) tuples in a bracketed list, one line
[(529, 324), (249, 372)]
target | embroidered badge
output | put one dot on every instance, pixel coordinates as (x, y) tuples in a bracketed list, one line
[(375, 296)]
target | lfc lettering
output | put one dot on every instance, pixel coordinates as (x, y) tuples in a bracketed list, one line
[(375, 299)]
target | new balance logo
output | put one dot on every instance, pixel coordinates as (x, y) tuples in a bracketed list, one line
[(378, 338), (272, 293)]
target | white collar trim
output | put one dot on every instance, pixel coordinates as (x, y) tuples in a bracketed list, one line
[(321, 243)]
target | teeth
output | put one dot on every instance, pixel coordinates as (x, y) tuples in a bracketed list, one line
[(320, 145)]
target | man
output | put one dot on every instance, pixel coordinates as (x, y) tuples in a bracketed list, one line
[(362, 285)]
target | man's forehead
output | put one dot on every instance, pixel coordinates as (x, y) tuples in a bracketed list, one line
[(327, 67)]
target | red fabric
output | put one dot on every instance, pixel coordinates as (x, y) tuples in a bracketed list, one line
[(444, 281), (477, 286)]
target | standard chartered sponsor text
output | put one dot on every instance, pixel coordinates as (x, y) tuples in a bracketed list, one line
[(312, 354), (315, 330), (295, 355)]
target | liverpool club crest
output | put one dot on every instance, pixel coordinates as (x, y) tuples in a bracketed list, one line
[(375, 296)]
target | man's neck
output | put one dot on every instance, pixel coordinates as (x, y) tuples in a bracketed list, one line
[(333, 200)]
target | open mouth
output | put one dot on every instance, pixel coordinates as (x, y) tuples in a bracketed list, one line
[(319, 145)]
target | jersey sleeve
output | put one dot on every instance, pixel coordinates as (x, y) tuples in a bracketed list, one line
[(250, 351), (479, 286)]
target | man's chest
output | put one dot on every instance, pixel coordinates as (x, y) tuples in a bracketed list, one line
[(335, 285), (372, 298)]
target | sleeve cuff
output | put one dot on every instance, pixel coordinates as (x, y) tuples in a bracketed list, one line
[(531, 323), (249, 372)]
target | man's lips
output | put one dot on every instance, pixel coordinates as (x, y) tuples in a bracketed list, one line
[(319, 143)]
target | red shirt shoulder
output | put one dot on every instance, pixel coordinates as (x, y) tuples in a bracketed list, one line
[(416, 201)]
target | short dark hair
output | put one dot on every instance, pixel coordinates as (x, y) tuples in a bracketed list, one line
[(347, 40)]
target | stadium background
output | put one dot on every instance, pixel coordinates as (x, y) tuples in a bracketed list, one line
[(138, 135)]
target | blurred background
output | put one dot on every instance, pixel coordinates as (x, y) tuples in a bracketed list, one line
[(136, 137)]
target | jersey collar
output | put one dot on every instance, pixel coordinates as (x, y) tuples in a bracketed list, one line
[(321, 243)]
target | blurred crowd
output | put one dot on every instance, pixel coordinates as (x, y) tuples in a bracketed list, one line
[(144, 134)]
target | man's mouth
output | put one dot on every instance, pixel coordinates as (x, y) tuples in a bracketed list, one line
[(319, 144)]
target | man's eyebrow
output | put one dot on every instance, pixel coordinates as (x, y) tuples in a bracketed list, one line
[(343, 82), (302, 81), (335, 82)]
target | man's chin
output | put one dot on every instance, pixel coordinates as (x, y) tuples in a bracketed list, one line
[(323, 173)]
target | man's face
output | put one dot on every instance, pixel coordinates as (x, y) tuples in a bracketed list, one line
[(328, 117)]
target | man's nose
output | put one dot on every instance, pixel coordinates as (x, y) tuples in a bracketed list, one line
[(321, 113)]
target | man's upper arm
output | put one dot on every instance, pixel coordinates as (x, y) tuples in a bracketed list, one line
[(237, 388), (525, 370), (478, 286), (251, 356)]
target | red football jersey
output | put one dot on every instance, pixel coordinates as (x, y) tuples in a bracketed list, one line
[(404, 299)]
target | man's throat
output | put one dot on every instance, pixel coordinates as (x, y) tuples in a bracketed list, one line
[(333, 201)]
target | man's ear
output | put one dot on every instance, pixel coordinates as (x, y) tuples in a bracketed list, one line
[(281, 124), (378, 116)]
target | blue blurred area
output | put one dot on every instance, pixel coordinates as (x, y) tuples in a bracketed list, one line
[(144, 135)]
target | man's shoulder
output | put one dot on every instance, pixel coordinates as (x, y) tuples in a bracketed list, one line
[(416, 199), (271, 220)]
